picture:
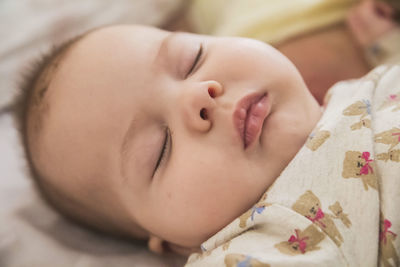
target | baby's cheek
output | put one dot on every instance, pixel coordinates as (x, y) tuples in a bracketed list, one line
[(208, 192), (205, 205)]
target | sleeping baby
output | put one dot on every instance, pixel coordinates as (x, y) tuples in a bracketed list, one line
[(214, 147)]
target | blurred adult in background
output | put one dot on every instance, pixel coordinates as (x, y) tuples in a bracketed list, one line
[(328, 40)]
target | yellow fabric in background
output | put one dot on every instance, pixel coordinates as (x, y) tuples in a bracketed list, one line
[(271, 21)]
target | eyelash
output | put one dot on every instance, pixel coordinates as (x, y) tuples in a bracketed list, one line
[(198, 56), (164, 148)]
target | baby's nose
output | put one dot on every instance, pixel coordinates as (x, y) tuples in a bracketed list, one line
[(202, 105)]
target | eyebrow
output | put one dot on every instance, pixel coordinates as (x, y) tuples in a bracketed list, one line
[(162, 51)]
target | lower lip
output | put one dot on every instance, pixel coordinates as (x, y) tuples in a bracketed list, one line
[(254, 120)]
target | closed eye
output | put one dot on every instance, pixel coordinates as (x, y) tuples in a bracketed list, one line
[(164, 148), (199, 53)]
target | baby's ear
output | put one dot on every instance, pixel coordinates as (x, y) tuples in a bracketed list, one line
[(155, 244), (160, 246)]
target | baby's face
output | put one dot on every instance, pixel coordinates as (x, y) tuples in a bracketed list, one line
[(142, 125)]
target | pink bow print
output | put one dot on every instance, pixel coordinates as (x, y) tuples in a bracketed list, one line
[(386, 225), (394, 134), (320, 214), (302, 243), (366, 168)]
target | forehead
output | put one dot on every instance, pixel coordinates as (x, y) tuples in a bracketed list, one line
[(105, 66), (114, 44), (109, 59)]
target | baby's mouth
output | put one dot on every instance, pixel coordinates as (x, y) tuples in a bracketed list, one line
[(249, 116)]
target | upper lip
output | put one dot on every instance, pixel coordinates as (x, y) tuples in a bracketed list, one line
[(239, 119)]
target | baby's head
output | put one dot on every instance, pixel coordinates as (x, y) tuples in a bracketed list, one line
[(139, 131)]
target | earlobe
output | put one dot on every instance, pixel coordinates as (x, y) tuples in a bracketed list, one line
[(155, 244)]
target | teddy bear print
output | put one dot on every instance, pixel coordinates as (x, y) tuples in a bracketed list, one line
[(240, 260), (256, 209), (390, 137), (226, 245), (317, 138), (309, 206), (393, 101), (360, 108), (359, 165), (301, 242), (362, 123), (338, 213), (392, 155), (388, 251)]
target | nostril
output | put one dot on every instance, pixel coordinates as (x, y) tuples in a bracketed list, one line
[(203, 114), (211, 92)]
